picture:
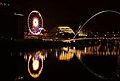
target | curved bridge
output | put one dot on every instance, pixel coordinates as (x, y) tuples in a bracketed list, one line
[(79, 29)]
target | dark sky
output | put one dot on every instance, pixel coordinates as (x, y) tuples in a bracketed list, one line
[(63, 12)]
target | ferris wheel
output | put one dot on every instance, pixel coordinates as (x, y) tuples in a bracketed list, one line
[(35, 22)]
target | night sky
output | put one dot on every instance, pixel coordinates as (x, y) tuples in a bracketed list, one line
[(64, 12)]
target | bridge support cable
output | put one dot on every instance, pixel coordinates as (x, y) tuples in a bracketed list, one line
[(112, 11)]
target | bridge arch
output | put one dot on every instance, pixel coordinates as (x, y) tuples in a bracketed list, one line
[(104, 11)]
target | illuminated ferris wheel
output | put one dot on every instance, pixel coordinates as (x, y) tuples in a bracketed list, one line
[(35, 22)]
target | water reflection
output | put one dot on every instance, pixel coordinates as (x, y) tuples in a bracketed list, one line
[(100, 60), (35, 64), (118, 67)]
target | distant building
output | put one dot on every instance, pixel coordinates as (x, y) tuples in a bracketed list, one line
[(65, 29), (62, 32), (82, 33)]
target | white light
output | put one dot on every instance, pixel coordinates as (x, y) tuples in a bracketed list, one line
[(73, 40), (35, 64), (74, 48), (35, 22), (11, 38), (56, 54), (85, 50), (8, 4), (18, 14), (25, 57)]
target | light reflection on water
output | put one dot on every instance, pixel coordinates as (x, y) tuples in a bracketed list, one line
[(35, 64), (100, 60)]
